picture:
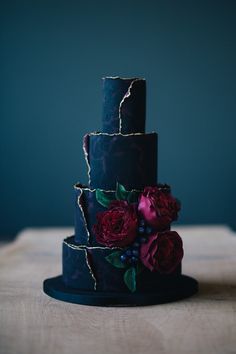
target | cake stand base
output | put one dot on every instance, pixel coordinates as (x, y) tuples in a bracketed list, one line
[(179, 288)]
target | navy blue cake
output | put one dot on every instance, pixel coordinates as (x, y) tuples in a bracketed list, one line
[(123, 250)]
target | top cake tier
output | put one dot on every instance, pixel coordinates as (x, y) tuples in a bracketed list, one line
[(124, 105)]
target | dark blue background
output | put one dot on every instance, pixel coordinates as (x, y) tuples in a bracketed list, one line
[(53, 54)]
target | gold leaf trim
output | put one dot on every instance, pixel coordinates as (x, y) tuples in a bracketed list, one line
[(90, 269), (83, 215), (128, 94), (86, 156), (82, 247), (85, 188)]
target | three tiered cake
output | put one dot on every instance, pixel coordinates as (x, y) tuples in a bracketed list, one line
[(123, 250)]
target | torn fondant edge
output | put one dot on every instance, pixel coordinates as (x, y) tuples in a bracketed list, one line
[(82, 247), (122, 78), (127, 94), (118, 134), (82, 212), (90, 269), (79, 186), (86, 155)]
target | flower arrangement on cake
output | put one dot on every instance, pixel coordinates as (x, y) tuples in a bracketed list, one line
[(123, 250), (139, 224)]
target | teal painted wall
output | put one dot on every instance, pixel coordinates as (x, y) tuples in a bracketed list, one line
[(53, 54)]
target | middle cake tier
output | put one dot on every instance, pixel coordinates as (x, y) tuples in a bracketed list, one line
[(128, 159)]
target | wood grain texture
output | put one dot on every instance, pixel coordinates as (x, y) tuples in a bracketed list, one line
[(33, 323)]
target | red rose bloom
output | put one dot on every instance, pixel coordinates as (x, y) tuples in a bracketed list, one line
[(162, 252), (158, 207), (117, 226)]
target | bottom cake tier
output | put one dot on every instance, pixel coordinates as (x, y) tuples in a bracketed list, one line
[(88, 269)]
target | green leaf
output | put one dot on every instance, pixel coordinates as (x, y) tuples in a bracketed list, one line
[(103, 198), (114, 259), (121, 192), (133, 196), (130, 278)]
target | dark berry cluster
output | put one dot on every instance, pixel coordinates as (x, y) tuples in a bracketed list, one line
[(144, 229), (131, 254)]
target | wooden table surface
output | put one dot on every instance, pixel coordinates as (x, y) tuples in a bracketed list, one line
[(33, 323)]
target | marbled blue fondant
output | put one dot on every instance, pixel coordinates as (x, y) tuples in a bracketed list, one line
[(131, 160), (123, 115), (105, 278)]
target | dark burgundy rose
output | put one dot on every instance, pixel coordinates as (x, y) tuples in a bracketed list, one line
[(158, 207), (163, 252), (117, 226)]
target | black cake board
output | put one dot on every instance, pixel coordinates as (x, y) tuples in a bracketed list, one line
[(181, 287)]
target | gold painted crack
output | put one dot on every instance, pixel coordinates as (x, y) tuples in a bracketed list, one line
[(121, 78), (128, 94), (103, 190), (118, 134), (86, 156), (84, 247), (83, 215), (90, 269)]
